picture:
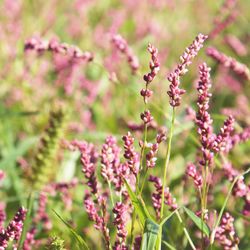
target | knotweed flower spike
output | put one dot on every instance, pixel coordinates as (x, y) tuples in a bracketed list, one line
[(154, 66), (229, 62), (121, 44), (13, 230), (175, 92)]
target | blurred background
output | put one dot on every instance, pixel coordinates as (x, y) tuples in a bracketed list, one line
[(102, 96)]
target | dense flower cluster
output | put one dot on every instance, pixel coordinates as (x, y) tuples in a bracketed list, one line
[(130, 154), (154, 66), (226, 234), (40, 46), (229, 62), (121, 44), (224, 136), (119, 211), (153, 149), (203, 119), (100, 221), (175, 91), (110, 159), (193, 173), (13, 230), (156, 196)]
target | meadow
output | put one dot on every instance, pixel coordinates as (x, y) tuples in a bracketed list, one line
[(125, 125)]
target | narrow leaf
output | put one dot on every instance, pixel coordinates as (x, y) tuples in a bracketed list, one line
[(150, 234), (138, 204), (197, 221), (81, 242)]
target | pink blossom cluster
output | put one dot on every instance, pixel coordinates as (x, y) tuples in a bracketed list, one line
[(120, 211), (153, 149), (156, 196), (130, 154), (112, 169), (100, 222), (147, 117), (175, 91), (121, 44), (229, 62), (194, 174), (13, 230), (226, 234), (88, 159), (40, 46), (237, 46), (154, 66), (203, 119), (223, 137), (2, 215)]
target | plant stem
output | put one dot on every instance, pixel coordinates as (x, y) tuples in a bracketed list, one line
[(132, 229), (185, 230), (111, 194), (224, 205), (30, 204), (167, 161)]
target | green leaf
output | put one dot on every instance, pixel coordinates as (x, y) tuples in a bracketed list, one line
[(150, 234), (168, 245), (81, 242), (138, 204), (198, 222)]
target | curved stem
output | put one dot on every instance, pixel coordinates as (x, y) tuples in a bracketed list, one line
[(167, 161)]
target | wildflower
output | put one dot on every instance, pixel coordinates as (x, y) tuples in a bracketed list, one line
[(146, 117), (41, 214), (40, 46), (151, 155), (229, 62), (88, 160), (119, 211), (2, 215), (121, 44), (99, 221), (186, 59), (203, 119), (226, 234), (237, 46), (130, 154), (14, 229), (224, 136), (156, 196), (110, 159), (30, 239), (192, 172), (154, 66)]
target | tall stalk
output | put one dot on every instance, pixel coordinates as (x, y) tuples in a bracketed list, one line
[(167, 161)]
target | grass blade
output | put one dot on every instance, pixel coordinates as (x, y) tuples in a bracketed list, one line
[(139, 205), (197, 221), (150, 234), (81, 242)]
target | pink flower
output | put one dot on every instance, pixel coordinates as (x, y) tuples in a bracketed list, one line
[(186, 59), (14, 229), (229, 62)]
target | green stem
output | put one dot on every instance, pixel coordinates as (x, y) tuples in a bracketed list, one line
[(185, 231), (132, 229), (111, 194), (224, 205), (144, 180), (167, 161), (30, 204)]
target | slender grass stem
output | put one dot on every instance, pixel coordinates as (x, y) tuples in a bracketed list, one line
[(185, 230), (111, 194), (224, 206), (167, 161), (30, 204)]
